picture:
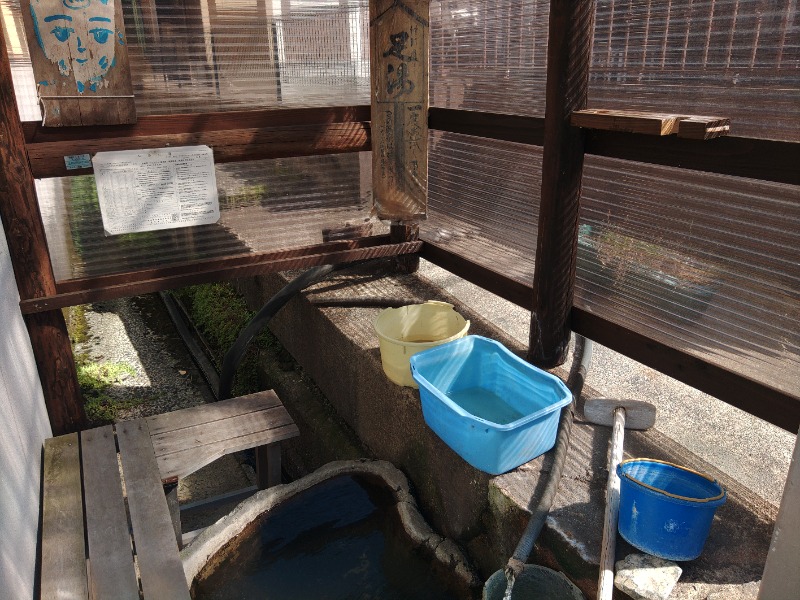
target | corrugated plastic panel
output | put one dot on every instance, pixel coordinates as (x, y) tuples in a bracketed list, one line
[(201, 56), (489, 55), (705, 263), (264, 205), (483, 200), (733, 58)]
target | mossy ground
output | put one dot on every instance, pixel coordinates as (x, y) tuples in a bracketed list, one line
[(95, 378), (220, 313)]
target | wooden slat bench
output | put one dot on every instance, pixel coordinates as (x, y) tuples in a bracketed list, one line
[(107, 551)]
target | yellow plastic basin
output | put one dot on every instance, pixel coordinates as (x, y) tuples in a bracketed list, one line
[(410, 329)]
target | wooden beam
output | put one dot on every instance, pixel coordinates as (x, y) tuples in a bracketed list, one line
[(233, 136), (83, 284), (767, 160), (756, 398), (27, 247), (767, 403), (220, 270), (399, 93), (509, 128), (568, 57)]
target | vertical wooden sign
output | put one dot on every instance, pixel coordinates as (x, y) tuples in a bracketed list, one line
[(399, 82), (80, 61)]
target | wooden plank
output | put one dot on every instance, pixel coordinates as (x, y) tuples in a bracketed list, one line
[(399, 42), (218, 270), (183, 451), (160, 567), (632, 121), (27, 247), (112, 574), (649, 123), (63, 550), (184, 462), (703, 128), (80, 61), (220, 431), (210, 413), (568, 58)]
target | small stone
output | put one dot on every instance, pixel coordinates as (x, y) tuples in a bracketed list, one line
[(645, 577)]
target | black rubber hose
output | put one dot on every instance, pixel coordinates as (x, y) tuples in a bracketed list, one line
[(582, 359), (234, 355)]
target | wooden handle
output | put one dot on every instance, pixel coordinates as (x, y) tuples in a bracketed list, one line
[(605, 584)]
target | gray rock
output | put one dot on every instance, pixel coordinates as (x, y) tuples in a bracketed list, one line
[(645, 577)]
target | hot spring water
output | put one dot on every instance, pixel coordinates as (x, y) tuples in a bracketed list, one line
[(341, 539)]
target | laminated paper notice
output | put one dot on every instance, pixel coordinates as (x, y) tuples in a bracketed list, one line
[(145, 190)]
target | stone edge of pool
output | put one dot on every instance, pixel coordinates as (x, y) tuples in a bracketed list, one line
[(197, 554)]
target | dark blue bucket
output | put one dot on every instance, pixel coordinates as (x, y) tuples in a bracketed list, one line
[(666, 510)]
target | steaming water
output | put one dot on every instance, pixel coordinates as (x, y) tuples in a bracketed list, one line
[(341, 540)]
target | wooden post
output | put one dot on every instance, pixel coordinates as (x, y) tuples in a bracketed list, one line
[(399, 233), (568, 57), (399, 81), (27, 245)]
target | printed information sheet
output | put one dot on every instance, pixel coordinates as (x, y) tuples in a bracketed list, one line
[(166, 188)]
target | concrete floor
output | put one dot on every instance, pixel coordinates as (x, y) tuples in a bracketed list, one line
[(753, 452)]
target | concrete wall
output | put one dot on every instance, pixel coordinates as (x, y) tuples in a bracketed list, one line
[(23, 427)]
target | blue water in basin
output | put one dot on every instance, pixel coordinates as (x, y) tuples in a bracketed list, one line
[(340, 540)]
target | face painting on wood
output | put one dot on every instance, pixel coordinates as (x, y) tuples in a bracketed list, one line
[(79, 36)]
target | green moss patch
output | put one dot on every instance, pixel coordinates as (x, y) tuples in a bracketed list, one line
[(220, 313)]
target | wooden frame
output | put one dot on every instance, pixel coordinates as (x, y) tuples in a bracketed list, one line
[(770, 404), (279, 133)]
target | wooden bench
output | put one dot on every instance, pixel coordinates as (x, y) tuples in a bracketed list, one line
[(118, 473)]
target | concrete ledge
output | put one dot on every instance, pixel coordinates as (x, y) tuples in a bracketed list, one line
[(328, 330)]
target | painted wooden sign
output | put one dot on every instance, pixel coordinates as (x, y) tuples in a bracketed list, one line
[(399, 79), (80, 61)]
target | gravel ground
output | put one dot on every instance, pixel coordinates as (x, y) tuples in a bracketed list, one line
[(749, 450), (138, 332), (134, 332)]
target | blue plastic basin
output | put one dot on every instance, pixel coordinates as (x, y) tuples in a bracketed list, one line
[(491, 407), (666, 510)]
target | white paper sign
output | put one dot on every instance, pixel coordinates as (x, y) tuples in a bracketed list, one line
[(145, 190)]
